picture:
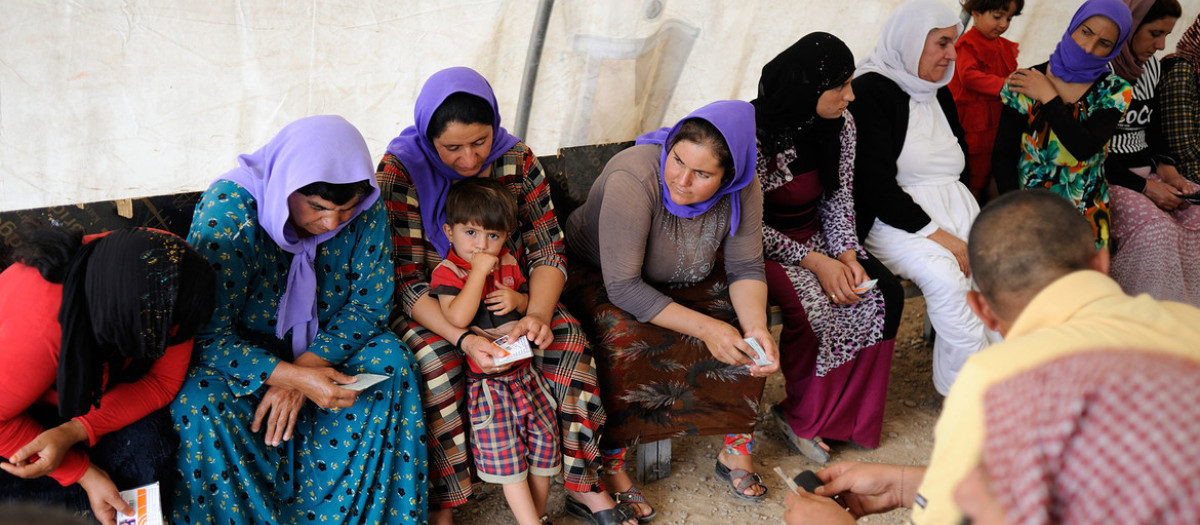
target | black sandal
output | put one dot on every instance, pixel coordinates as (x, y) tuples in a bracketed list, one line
[(614, 516), (739, 480), (633, 496)]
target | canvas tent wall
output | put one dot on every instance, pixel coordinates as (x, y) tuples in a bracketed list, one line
[(105, 99)]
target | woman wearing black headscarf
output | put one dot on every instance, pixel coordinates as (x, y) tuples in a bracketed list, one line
[(95, 338), (836, 345)]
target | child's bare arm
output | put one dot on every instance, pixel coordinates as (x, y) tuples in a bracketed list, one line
[(460, 309)]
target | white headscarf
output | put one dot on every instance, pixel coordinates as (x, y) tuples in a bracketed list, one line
[(901, 43)]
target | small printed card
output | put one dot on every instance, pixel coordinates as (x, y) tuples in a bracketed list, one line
[(866, 286), (146, 503), (514, 351), (364, 382), (761, 358)]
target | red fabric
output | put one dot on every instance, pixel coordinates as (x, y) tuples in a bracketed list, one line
[(979, 73), (507, 272), (29, 346), (1097, 437)]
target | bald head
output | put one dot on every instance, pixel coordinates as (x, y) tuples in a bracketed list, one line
[(1022, 242)]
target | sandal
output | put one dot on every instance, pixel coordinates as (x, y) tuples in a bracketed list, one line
[(739, 480), (545, 520), (633, 496), (809, 448), (614, 516)]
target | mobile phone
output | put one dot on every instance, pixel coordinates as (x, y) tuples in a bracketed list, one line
[(808, 481)]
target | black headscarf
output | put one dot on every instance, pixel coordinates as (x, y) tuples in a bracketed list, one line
[(127, 295), (786, 107)]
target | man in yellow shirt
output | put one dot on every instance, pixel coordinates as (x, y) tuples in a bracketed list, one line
[(1045, 287)]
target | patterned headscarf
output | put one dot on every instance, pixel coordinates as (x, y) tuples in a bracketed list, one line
[(735, 120), (416, 152), (1070, 62), (1188, 47), (1099, 437), (1126, 65), (786, 108), (901, 42), (323, 148), (126, 296)]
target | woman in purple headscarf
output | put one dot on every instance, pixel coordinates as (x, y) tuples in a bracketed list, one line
[(456, 135), (299, 240), (656, 219), (1059, 116)]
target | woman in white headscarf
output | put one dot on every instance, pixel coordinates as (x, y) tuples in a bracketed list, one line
[(912, 208)]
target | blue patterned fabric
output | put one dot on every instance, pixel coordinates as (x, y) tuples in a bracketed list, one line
[(363, 464)]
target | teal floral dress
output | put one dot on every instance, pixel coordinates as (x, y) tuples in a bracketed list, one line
[(1044, 160), (363, 464)]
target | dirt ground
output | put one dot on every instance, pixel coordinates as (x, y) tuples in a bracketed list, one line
[(692, 494)]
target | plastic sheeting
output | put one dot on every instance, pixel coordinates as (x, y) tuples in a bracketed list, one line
[(110, 99)]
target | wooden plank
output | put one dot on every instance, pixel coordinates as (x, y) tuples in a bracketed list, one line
[(653, 461)]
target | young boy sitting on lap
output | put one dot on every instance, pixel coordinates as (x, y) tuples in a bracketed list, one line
[(514, 435)]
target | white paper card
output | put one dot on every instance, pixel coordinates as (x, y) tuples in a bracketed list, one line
[(364, 382), (515, 350), (146, 503), (761, 358)]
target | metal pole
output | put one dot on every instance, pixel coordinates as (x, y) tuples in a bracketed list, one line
[(533, 59)]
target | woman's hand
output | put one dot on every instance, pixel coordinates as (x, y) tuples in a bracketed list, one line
[(534, 328), (850, 259), (804, 508), (103, 496), (726, 343), (279, 406), (1171, 177), (505, 299), (46, 452), (1033, 84), (484, 352), (867, 488), (763, 336), (320, 384), (837, 279), (956, 246), (1164, 195)]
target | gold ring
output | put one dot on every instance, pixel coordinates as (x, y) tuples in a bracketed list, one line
[(834, 297)]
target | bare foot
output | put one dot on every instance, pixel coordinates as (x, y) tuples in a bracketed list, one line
[(596, 502), (620, 482), (744, 462)]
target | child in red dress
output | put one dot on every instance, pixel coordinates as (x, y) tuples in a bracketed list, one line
[(985, 59)]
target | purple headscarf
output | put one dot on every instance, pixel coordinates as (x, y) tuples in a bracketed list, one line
[(416, 152), (1070, 62), (323, 148), (735, 120)]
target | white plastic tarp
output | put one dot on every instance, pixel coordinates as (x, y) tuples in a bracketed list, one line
[(106, 99)]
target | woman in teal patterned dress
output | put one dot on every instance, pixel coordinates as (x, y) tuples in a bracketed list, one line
[(1058, 117), (299, 240)]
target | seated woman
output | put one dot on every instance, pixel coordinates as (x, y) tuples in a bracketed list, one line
[(1156, 233), (655, 219), (95, 337), (1058, 116), (1180, 103), (911, 207), (835, 348), (298, 238), (456, 135)]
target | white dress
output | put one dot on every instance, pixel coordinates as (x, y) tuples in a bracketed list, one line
[(928, 169)]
